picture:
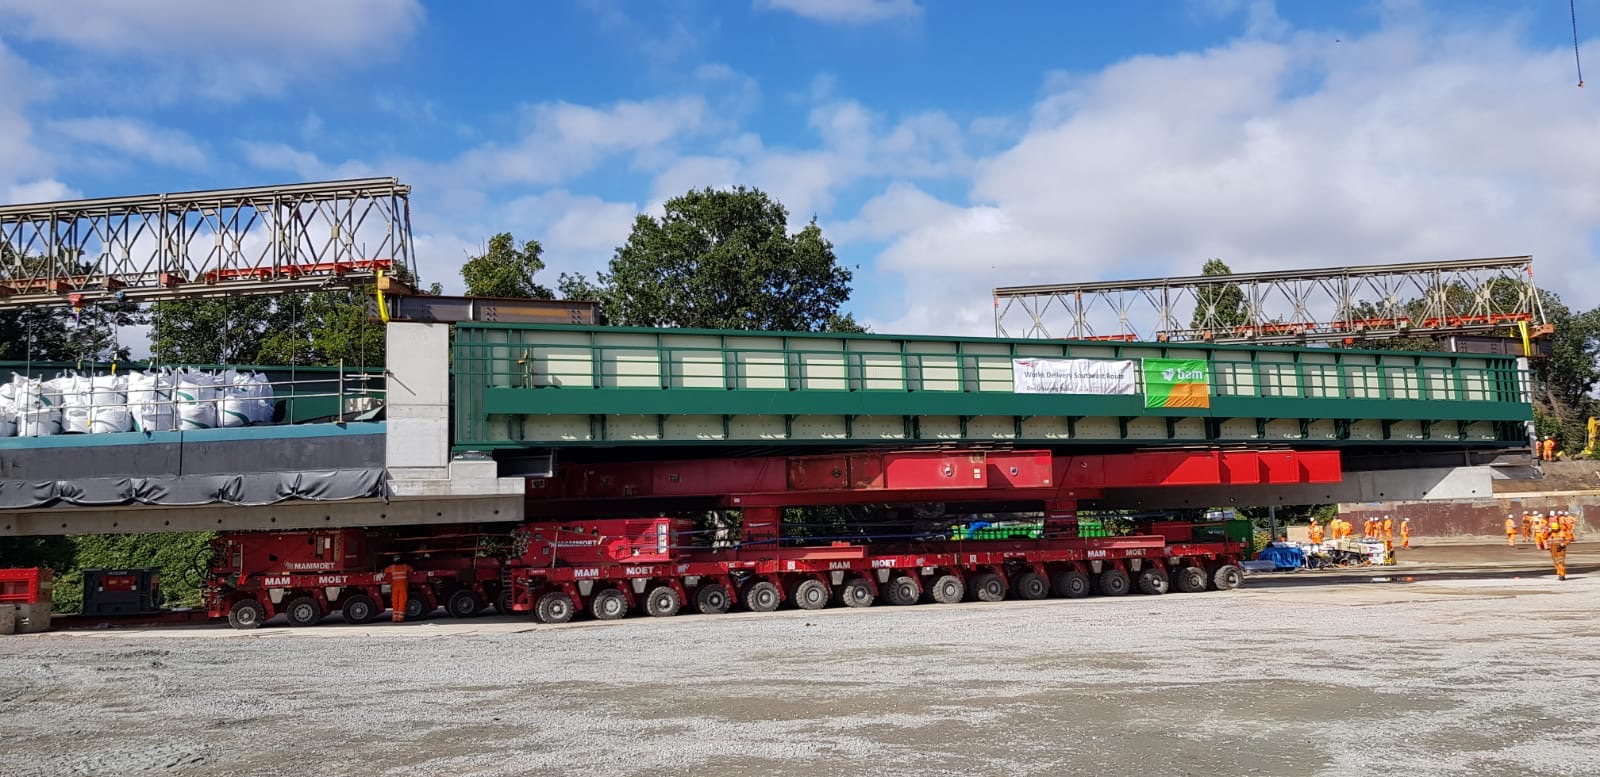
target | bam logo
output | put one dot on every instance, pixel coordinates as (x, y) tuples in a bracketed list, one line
[(1171, 374)]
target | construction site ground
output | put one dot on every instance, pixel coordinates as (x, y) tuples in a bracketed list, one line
[(1461, 660)]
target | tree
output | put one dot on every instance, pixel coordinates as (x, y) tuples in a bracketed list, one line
[(725, 260), (210, 331), (324, 329), (1220, 305), (1566, 377), (89, 333), (506, 271)]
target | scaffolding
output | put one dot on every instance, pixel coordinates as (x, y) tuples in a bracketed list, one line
[(225, 242), (1343, 304)]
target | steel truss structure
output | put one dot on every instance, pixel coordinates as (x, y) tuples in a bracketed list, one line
[(1294, 306), (225, 242)]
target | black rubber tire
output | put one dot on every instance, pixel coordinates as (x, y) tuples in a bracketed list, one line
[(417, 607), (1030, 586), (1153, 581), (303, 610), (761, 596), (608, 605), (503, 602), (1113, 582), (662, 602), (947, 589), (1227, 577), (1071, 584), (246, 614), (810, 594), (463, 604), (856, 593), (901, 590), (1191, 580), (359, 608), (986, 587), (555, 607), (712, 599)]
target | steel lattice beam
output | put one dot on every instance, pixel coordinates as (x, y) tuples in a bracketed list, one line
[(1359, 302), (259, 240)]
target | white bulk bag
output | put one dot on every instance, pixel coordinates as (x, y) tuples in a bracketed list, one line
[(27, 393), (75, 393), (39, 422), (150, 399), (8, 420), (261, 391), (234, 409), (8, 391), (196, 393), (108, 401)]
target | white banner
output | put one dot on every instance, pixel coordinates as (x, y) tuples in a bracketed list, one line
[(1074, 376)]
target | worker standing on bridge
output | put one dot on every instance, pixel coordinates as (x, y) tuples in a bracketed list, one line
[(399, 574), (1405, 533), (1558, 542), (1511, 531)]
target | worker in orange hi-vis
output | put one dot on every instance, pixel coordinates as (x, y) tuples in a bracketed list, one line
[(1539, 533), (1388, 528), (1511, 531), (1527, 525), (399, 576), (1558, 542), (1405, 532), (1346, 528), (1366, 529), (1314, 532), (1549, 449)]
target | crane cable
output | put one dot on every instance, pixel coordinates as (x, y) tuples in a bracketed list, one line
[(1572, 6)]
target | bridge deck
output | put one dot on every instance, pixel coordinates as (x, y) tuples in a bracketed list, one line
[(546, 385)]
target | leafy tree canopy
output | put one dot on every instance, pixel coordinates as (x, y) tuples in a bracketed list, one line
[(724, 259), (504, 270), (1218, 306)]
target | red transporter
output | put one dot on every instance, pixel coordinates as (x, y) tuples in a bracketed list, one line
[(304, 575)]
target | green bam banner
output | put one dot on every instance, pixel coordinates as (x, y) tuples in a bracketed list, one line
[(1177, 383)]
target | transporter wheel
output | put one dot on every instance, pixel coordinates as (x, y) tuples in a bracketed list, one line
[(1113, 582), (901, 591), (503, 602), (662, 602), (246, 614), (1070, 584), (987, 587), (712, 599), (761, 596), (947, 589), (855, 593), (1153, 581), (1030, 585), (303, 611), (554, 607), (608, 605), (809, 594), (463, 604), (359, 609), (1190, 580), (416, 607), (1227, 577)]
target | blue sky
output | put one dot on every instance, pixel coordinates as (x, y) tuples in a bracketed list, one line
[(945, 147)]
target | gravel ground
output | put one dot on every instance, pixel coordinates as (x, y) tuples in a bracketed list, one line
[(1481, 664)]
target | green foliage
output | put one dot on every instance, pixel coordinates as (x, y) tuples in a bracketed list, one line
[(61, 333), (506, 271), (1569, 373), (725, 260), (230, 330), (1218, 305), (323, 329), (180, 556)]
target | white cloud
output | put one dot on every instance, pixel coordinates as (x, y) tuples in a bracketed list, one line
[(562, 140), (134, 139), (40, 190), (221, 50), (1412, 143), (846, 11)]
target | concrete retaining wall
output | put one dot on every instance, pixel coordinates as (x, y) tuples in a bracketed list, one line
[(1481, 517)]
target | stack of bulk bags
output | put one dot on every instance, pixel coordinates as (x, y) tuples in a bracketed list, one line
[(75, 393), (196, 395), (246, 399), (35, 404), (8, 410), (108, 403), (150, 401)]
